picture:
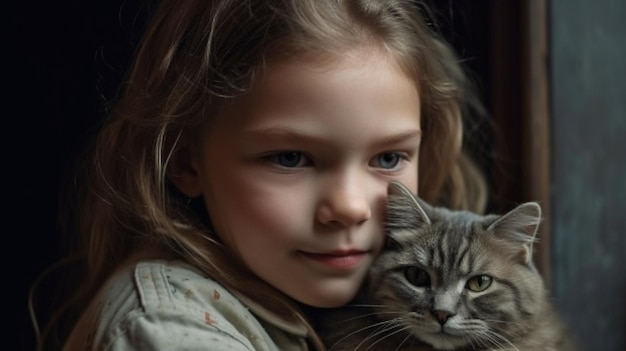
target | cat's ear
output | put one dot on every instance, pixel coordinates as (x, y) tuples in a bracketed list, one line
[(405, 211), (519, 228)]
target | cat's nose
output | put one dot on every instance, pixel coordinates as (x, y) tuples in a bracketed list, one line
[(442, 316)]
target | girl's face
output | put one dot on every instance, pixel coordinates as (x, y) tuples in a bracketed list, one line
[(295, 174)]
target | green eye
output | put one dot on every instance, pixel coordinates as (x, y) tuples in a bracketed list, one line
[(417, 277), (479, 283)]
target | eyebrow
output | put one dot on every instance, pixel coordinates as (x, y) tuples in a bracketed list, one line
[(401, 137), (295, 134)]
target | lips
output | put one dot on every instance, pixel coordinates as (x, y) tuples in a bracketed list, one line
[(339, 259)]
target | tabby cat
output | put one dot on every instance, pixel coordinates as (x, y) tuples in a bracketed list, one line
[(450, 280)]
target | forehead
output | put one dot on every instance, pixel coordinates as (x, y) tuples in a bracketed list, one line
[(366, 85), (344, 79), (363, 61)]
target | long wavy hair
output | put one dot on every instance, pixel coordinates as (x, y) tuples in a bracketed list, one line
[(198, 54)]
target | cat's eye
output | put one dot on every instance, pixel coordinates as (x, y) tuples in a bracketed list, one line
[(417, 277), (479, 283)]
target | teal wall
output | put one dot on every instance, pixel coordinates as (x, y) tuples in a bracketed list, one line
[(588, 78)]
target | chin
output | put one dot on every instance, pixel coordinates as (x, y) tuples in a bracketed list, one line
[(328, 302), (333, 295)]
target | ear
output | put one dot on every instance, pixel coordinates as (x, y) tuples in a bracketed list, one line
[(183, 172), (518, 229), (405, 212)]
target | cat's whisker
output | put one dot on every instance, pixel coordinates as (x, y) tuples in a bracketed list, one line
[(366, 306), (400, 330), (475, 341), (385, 327), (366, 315), (498, 336), (515, 333), (338, 342), (486, 339), (378, 325), (475, 332), (503, 321), (407, 337)]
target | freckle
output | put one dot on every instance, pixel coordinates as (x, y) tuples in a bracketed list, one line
[(216, 295), (208, 319)]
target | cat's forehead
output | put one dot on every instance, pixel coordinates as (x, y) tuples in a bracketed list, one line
[(440, 214), (452, 240), (454, 227), (460, 225)]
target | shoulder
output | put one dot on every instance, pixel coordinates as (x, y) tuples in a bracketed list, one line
[(165, 305)]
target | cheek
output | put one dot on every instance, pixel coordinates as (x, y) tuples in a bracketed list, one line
[(246, 214), (276, 214), (410, 179)]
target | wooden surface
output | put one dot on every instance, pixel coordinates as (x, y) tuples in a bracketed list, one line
[(535, 132)]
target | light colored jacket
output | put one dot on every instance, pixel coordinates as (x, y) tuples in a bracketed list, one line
[(169, 305)]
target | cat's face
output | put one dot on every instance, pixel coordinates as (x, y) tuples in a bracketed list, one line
[(453, 278)]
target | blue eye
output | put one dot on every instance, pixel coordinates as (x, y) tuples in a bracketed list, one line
[(388, 160), (290, 159)]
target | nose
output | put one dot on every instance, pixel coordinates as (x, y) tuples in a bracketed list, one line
[(442, 316), (344, 202)]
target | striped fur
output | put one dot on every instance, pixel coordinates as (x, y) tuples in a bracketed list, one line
[(419, 295)]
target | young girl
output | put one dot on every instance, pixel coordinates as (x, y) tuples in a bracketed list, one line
[(243, 171)]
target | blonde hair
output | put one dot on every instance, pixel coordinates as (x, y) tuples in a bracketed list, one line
[(197, 54)]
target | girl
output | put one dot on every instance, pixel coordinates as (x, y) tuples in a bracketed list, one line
[(241, 175)]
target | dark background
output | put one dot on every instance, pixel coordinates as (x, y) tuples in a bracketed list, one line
[(65, 59)]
